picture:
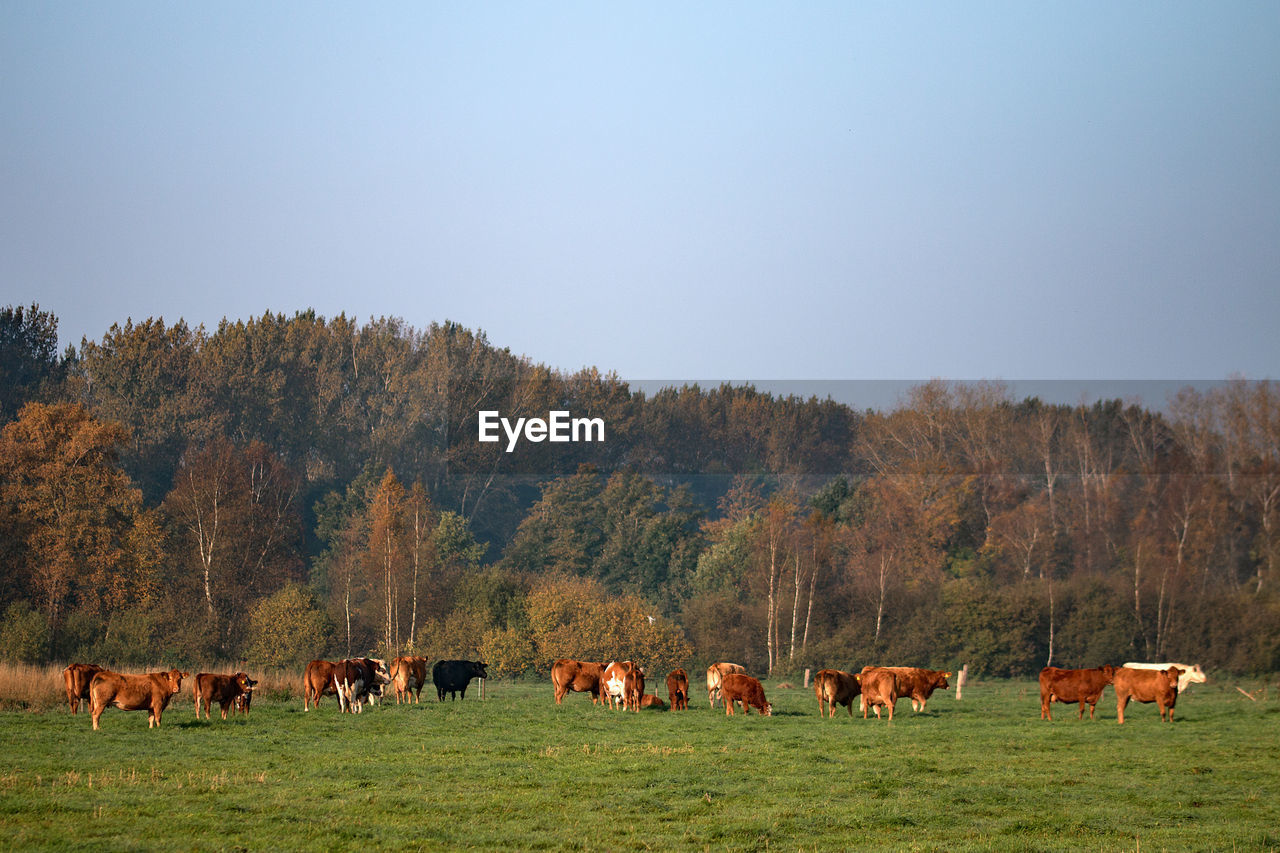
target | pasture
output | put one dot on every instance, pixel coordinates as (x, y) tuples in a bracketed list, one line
[(517, 772)]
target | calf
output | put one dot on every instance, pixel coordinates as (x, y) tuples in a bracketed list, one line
[(879, 690), (224, 689), (738, 687), (652, 700), (150, 693), (409, 674), (715, 674), (678, 689), (1146, 685), (1073, 685), (242, 703), (76, 678), (453, 676), (578, 676), (834, 687)]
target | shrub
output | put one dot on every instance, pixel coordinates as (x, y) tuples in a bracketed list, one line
[(24, 634), (288, 628)]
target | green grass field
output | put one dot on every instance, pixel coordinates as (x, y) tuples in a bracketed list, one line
[(516, 772)]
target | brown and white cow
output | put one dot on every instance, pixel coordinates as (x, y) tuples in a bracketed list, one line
[(915, 682), (577, 676), (879, 690), (678, 689), (208, 687), (150, 693), (1146, 685), (355, 680), (613, 683), (1073, 685), (715, 675), (739, 687), (76, 678), (408, 674), (317, 681), (242, 703), (834, 687), (1191, 673)]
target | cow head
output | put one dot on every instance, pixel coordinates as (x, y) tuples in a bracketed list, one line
[(1172, 674), (768, 709), (1108, 671), (479, 669), (246, 683), (175, 677)]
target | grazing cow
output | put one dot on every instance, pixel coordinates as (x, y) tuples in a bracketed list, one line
[(76, 677), (453, 676), (678, 689), (150, 693), (409, 675), (242, 703), (738, 687), (835, 687), (357, 679), (715, 674), (915, 682), (1191, 673), (633, 689), (317, 681), (578, 676), (1146, 685), (613, 683), (1073, 685), (652, 700), (208, 688), (879, 690)]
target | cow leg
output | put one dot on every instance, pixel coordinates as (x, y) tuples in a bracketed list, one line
[(1121, 701)]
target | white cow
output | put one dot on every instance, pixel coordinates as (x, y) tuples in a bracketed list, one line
[(1190, 672)]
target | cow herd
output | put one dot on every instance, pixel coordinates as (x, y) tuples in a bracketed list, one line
[(354, 681), (618, 684), (1143, 682)]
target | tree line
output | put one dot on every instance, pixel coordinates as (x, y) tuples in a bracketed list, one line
[(285, 486)]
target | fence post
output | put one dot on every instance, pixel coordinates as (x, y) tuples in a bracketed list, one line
[(961, 679)]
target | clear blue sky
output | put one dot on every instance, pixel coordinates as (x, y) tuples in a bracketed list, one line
[(739, 190)]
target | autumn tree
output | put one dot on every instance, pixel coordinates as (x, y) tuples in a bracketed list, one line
[(69, 510)]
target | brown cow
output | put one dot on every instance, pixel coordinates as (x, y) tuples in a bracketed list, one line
[(737, 687), (317, 681), (879, 690), (409, 674), (678, 689), (76, 678), (150, 693), (652, 700), (835, 687), (1146, 685), (242, 703), (915, 682), (613, 683), (577, 676), (224, 689), (633, 689), (1073, 685), (715, 674)]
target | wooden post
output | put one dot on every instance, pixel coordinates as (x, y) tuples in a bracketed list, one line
[(961, 679), (806, 678)]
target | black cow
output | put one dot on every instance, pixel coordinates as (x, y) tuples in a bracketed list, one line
[(453, 676)]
